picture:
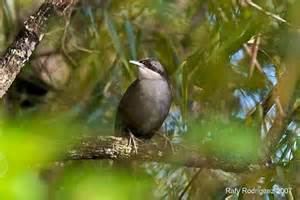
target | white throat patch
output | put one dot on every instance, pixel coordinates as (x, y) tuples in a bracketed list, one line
[(145, 73)]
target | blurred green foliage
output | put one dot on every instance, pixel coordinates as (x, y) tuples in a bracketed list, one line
[(225, 139), (26, 143), (95, 182)]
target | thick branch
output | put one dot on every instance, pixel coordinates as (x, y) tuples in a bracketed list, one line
[(117, 148), (26, 41)]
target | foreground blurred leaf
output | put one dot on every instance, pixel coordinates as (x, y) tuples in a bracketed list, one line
[(229, 140), (25, 146), (95, 182)]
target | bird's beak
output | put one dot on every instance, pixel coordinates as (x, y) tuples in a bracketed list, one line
[(137, 63)]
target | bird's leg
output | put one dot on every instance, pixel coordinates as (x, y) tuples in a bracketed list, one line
[(132, 140), (167, 141)]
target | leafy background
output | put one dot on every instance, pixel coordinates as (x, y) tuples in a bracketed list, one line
[(74, 82)]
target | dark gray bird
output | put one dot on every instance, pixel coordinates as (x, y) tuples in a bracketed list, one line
[(146, 103)]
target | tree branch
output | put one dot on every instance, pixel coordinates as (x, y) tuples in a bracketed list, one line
[(117, 148), (27, 40)]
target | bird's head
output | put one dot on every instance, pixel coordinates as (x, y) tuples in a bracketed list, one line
[(150, 69)]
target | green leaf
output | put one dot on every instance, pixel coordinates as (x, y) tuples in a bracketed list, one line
[(131, 39), (117, 42)]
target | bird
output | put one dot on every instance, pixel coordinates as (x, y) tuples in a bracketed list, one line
[(146, 103)]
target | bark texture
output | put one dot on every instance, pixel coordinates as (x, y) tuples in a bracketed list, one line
[(27, 40), (158, 150)]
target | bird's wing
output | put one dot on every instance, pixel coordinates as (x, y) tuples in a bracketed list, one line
[(123, 108)]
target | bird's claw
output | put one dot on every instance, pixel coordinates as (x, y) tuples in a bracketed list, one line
[(132, 141), (167, 141)]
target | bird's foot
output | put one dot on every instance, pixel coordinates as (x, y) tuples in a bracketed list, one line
[(167, 141), (132, 141)]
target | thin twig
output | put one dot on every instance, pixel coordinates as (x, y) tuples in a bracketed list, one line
[(189, 184), (64, 39), (255, 61), (254, 51), (268, 13)]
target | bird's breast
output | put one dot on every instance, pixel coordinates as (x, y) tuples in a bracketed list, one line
[(155, 92)]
